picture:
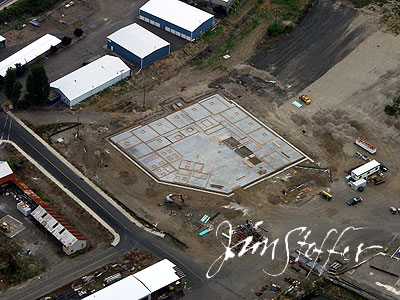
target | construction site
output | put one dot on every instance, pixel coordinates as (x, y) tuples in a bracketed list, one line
[(243, 127), (213, 145)]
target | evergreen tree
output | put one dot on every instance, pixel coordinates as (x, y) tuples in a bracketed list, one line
[(9, 81), (16, 93), (37, 86)]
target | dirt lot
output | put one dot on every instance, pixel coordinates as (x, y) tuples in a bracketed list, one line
[(350, 72), (33, 238)]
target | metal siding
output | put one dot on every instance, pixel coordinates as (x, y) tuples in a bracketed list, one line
[(121, 51), (155, 56), (203, 28), (98, 89), (164, 23)]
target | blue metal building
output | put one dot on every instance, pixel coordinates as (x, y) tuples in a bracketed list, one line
[(177, 17), (138, 45)]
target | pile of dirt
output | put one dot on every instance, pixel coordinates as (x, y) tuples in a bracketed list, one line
[(255, 84), (334, 129)]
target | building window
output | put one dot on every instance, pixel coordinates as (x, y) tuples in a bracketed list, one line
[(55, 225), (45, 214), (62, 230)]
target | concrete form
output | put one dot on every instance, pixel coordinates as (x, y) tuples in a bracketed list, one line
[(212, 145), (29, 53), (138, 45), (176, 17)]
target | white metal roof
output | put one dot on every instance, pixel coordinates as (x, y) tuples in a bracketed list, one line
[(137, 40), (66, 238), (89, 77), (128, 288), (158, 275), (5, 169), (29, 53), (366, 167), (2, 38), (177, 12)]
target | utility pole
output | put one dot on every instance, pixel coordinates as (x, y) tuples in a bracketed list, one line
[(77, 130), (144, 97)]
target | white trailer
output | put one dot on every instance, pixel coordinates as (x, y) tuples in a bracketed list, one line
[(365, 145), (365, 170)]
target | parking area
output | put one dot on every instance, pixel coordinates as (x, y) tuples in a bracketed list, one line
[(29, 235)]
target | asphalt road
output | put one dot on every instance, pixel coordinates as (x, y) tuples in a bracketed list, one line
[(131, 235)]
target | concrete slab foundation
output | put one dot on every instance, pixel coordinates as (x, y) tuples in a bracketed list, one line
[(213, 145)]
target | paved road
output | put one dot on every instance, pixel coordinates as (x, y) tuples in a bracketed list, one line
[(131, 235)]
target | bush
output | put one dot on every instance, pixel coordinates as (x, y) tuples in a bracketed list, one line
[(275, 29), (78, 32), (53, 49), (20, 69), (390, 110), (66, 40), (393, 110)]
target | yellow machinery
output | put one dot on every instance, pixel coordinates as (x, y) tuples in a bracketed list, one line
[(305, 99), (326, 195), (5, 227)]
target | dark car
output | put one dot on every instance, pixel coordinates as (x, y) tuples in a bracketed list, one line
[(383, 168), (354, 201)]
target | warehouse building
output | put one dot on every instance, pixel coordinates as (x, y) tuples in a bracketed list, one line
[(159, 279), (30, 53), (138, 45), (177, 17), (90, 79)]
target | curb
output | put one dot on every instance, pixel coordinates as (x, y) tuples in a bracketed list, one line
[(90, 183), (76, 199)]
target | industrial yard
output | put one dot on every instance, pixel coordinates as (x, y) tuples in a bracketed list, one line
[(202, 135), (27, 230)]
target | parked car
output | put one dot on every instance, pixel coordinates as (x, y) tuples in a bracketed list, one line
[(364, 157), (383, 168), (354, 201), (357, 154), (393, 210)]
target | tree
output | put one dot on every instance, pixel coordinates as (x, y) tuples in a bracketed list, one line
[(53, 49), (78, 32), (9, 81), (16, 93), (275, 29), (37, 86), (66, 40), (20, 69)]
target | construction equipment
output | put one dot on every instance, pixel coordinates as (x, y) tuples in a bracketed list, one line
[(5, 227), (377, 179), (305, 99), (326, 195), (170, 198)]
